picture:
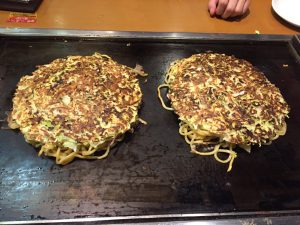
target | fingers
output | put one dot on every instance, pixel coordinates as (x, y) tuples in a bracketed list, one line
[(212, 6), (228, 8), (246, 6), (222, 4), (238, 11), (231, 8)]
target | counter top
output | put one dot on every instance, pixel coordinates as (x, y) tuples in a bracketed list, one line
[(154, 16)]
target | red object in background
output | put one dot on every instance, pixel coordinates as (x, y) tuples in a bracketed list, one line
[(21, 18)]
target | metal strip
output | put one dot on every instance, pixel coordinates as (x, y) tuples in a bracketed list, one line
[(140, 35), (199, 216), (296, 44)]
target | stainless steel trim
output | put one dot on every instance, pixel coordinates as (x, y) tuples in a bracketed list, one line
[(296, 45), (199, 216), (140, 35)]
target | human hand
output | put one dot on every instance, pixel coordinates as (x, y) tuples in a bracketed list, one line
[(228, 8)]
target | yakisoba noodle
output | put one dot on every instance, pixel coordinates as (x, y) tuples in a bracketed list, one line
[(223, 102), (77, 107)]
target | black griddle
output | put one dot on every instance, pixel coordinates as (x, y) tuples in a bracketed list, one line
[(152, 171)]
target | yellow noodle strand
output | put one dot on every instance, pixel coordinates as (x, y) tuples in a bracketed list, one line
[(161, 99)]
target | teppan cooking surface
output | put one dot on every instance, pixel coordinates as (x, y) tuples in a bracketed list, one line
[(151, 171)]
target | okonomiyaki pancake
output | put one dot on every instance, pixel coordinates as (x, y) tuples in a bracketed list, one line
[(78, 106), (224, 102)]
